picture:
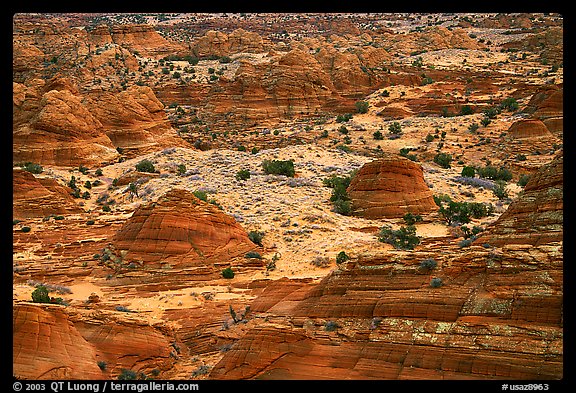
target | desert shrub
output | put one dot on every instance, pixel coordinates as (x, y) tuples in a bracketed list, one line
[(509, 104), (228, 273), (403, 239), (362, 106), (378, 135), (468, 171), (429, 137), (102, 365), (493, 173), (202, 195), (469, 233), (474, 181), (500, 190), (253, 254), (395, 128), (181, 169), (330, 326), (279, 167), (339, 198), (40, 295), (343, 118), (243, 174), (32, 167), (145, 166), (443, 159), (256, 237), (25, 229), (428, 264), (466, 242), (342, 257), (473, 127), (523, 180), (436, 282), (411, 219), (466, 110)]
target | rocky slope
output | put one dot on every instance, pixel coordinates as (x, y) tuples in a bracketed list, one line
[(139, 261)]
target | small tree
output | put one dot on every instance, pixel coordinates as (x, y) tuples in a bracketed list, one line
[(341, 257), (243, 174), (278, 167), (403, 239), (256, 237)]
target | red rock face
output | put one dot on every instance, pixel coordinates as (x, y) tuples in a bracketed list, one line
[(183, 229), (379, 318), (34, 197), (53, 127), (537, 216), (50, 344), (390, 187)]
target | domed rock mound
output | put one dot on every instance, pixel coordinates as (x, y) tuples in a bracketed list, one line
[(180, 228), (37, 197), (528, 128), (390, 187)]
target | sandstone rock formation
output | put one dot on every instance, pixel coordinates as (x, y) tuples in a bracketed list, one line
[(547, 104), (181, 229), (536, 217), (53, 127), (49, 343), (38, 197), (133, 119), (217, 43), (390, 187), (495, 316), (528, 129)]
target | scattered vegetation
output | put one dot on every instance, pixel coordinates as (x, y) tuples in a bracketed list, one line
[(339, 198), (32, 167), (145, 166), (256, 237), (279, 167), (228, 273), (404, 238)]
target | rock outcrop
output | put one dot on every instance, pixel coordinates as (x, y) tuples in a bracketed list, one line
[(494, 314), (49, 343), (529, 129), (53, 127), (217, 43), (38, 197), (390, 187), (536, 217), (134, 120), (183, 230)]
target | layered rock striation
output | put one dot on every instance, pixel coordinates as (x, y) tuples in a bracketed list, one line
[(181, 229), (390, 187)]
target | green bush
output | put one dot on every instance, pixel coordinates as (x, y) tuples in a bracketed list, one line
[(228, 273), (468, 171), (202, 195), (256, 237), (145, 166), (500, 189), (411, 219), (253, 254), (523, 180), (395, 128), (402, 239), (243, 174), (443, 159), (339, 198), (341, 257), (40, 295), (378, 135), (362, 106), (279, 167), (32, 167), (428, 264), (436, 282)]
